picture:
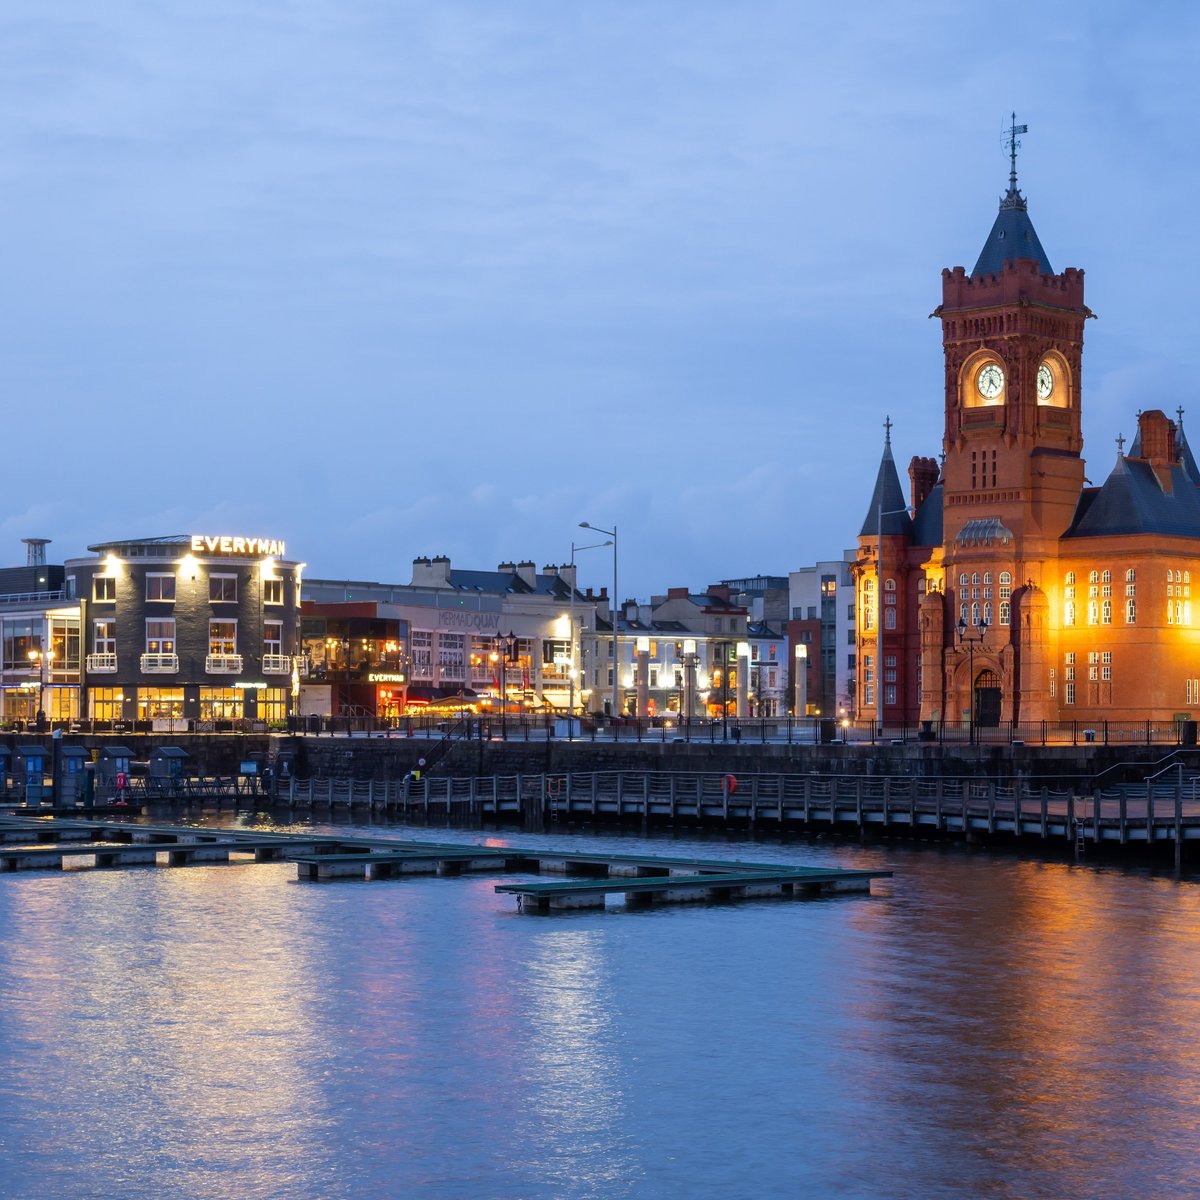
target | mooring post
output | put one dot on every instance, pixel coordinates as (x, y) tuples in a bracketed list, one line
[(1179, 824)]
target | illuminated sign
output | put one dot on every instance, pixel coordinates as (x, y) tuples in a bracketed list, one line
[(385, 677), (202, 543)]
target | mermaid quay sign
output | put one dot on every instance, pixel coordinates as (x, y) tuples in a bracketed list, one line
[(202, 543)]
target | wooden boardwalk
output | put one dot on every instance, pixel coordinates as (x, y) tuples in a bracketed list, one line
[(1163, 813), (63, 844)]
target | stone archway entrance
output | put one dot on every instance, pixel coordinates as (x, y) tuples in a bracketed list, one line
[(987, 699)]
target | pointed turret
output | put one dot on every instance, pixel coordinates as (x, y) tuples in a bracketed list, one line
[(887, 497)]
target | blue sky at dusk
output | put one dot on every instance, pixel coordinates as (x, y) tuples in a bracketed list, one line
[(390, 279)]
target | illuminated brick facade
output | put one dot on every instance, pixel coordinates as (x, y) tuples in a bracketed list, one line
[(1011, 589)]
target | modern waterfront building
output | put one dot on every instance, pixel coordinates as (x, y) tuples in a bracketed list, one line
[(189, 631), (39, 637), (821, 603), (451, 636)]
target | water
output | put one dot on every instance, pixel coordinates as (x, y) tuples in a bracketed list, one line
[(980, 1026)]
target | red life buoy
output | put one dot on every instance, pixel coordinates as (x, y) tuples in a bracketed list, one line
[(730, 784), (122, 781)]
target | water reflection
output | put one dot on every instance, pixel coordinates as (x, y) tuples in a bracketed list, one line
[(981, 1026)]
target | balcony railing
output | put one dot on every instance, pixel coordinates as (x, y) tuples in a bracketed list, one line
[(223, 664), (160, 664), (277, 664), (101, 664)]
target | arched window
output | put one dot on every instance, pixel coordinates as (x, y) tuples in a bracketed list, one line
[(974, 614), (1106, 577), (987, 613), (962, 612), (1005, 612), (889, 585), (974, 576), (1093, 613), (1093, 577), (1070, 577), (1131, 611), (1131, 576), (962, 579), (1106, 612), (1069, 613), (987, 577), (1006, 579)]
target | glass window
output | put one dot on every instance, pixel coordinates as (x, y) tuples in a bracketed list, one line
[(160, 587), (1093, 577), (1106, 577), (222, 637), (1005, 612), (222, 588), (272, 591), (104, 588), (106, 703), (272, 637), (1070, 577), (987, 577), (1130, 575), (1130, 611), (104, 636), (159, 703), (1105, 612), (889, 618), (160, 636)]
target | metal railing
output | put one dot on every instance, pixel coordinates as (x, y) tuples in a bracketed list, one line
[(101, 664), (223, 664), (160, 664), (277, 664)]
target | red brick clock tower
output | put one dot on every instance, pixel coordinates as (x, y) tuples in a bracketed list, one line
[(1012, 334)]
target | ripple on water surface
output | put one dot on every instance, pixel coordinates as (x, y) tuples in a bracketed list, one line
[(980, 1026)]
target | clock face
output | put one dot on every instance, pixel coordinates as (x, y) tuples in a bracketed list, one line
[(1045, 382), (990, 381)]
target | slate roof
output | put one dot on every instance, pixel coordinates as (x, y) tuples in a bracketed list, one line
[(927, 525), (1012, 237), (495, 582), (889, 495), (1133, 501)]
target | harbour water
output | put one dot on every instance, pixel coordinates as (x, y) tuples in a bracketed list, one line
[(979, 1026)]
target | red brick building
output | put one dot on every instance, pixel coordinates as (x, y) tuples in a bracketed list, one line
[(1012, 591)]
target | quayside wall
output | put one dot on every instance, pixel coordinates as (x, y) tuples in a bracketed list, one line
[(383, 758)]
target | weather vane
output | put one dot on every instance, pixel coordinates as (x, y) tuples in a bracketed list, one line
[(1012, 144)]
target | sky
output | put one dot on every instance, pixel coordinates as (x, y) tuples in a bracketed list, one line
[(390, 279)]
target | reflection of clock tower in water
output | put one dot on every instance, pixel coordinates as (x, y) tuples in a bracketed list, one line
[(1013, 340)]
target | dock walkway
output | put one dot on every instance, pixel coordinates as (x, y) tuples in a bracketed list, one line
[(61, 844)]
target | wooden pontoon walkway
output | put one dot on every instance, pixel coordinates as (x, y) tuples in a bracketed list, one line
[(61, 844)]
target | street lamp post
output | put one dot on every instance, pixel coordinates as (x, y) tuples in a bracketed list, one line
[(574, 669), (971, 638), (40, 660), (508, 643), (611, 533)]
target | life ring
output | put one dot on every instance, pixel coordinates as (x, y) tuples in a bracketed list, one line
[(730, 782)]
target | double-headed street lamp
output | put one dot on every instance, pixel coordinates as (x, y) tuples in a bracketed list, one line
[(40, 660), (611, 533), (971, 638)]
